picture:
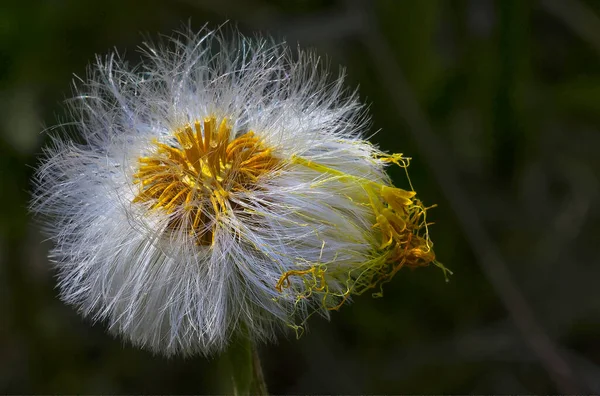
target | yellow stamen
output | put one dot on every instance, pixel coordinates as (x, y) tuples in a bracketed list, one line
[(191, 178)]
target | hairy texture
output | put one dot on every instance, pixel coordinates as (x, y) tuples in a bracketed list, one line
[(221, 187)]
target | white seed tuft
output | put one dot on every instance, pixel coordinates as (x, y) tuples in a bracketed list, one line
[(232, 254)]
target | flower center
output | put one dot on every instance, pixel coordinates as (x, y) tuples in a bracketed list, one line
[(192, 178)]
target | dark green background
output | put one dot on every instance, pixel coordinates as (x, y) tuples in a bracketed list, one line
[(498, 103)]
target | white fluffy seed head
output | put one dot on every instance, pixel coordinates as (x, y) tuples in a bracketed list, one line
[(179, 240)]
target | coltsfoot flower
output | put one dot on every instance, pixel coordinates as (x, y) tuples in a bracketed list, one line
[(221, 187)]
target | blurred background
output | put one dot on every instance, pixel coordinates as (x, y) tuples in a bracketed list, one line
[(498, 104)]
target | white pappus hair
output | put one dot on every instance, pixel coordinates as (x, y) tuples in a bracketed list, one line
[(222, 187)]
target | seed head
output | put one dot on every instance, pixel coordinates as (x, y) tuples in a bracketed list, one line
[(220, 188)]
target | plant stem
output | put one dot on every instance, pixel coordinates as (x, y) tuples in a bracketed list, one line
[(242, 364)]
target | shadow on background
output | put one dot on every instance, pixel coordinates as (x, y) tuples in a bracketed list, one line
[(498, 103)]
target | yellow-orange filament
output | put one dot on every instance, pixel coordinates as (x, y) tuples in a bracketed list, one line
[(192, 177), (399, 222)]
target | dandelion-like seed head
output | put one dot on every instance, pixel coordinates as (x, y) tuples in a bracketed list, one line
[(223, 188)]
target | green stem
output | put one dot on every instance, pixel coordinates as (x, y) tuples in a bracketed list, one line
[(242, 364)]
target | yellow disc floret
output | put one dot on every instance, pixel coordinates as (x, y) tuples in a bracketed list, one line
[(192, 177)]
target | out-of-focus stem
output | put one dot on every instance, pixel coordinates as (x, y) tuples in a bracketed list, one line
[(244, 372)]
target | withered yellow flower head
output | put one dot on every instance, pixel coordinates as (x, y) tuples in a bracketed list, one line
[(221, 187)]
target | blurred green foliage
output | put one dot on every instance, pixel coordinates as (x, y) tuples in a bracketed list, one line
[(511, 89)]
